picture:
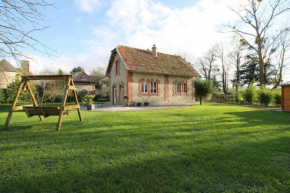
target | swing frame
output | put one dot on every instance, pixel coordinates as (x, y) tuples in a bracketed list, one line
[(34, 109)]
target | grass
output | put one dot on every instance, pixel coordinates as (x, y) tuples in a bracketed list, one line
[(208, 148)]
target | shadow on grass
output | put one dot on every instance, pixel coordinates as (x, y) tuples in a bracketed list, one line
[(178, 151), (245, 168)]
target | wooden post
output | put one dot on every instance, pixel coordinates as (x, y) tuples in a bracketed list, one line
[(63, 104), (13, 104), (76, 100), (32, 97)]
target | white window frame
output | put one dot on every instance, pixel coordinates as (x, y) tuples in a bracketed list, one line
[(177, 88), (154, 87), (144, 87), (184, 88)]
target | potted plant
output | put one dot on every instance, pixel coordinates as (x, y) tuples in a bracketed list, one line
[(88, 100)]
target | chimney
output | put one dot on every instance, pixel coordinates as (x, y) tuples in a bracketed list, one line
[(25, 67), (154, 51)]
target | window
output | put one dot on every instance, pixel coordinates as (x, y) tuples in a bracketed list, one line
[(153, 87), (117, 68), (144, 87), (177, 88), (184, 88), (83, 77)]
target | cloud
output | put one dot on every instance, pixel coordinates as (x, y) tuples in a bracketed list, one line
[(89, 6), (143, 23), (66, 63)]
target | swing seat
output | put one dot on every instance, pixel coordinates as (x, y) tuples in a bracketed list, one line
[(42, 111)]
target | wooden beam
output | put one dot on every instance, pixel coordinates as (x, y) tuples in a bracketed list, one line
[(13, 104), (71, 88), (71, 107), (17, 108), (33, 98), (76, 101), (47, 77), (63, 103)]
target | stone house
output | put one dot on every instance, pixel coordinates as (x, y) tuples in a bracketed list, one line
[(8, 72), (138, 75), (90, 84)]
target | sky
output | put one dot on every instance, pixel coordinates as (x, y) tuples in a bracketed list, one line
[(84, 32)]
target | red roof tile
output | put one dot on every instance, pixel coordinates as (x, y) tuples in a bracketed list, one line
[(143, 61)]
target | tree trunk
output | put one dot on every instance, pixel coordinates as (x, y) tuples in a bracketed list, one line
[(200, 100), (261, 62)]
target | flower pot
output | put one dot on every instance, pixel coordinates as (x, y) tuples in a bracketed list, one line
[(90, 107)]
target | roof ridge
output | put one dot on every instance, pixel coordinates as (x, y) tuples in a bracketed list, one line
[(146, 50)]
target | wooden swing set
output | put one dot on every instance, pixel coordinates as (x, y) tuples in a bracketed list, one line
[(34, 109)]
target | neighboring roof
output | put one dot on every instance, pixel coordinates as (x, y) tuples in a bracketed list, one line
[(6, 66), (138, 60), (286, 84), (88, 78)]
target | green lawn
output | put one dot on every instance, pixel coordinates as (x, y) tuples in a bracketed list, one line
[(208, 148)]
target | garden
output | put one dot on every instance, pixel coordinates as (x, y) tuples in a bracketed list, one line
[(208, 148)]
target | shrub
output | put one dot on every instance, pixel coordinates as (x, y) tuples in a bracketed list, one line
[(202, 89), (1, 95), (265, 96), (239, 97), (277, 98), (250, 94), (88, 99)]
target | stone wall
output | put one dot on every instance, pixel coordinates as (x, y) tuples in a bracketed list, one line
[(85, 87), (6, 78), (161, 98), (119, 81)]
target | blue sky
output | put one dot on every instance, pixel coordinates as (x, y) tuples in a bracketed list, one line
[(83, 32)]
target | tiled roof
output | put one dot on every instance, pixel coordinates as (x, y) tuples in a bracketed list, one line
[(88, 78), (6, 66), (139, 60)]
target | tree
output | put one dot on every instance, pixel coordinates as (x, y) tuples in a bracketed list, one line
[(258, 17), (281, 57), (202, 89), (249, 70), (49, 90), (206, 63), (75, 71), (235, 58), (19, 20), (100, 71), (222, 55)]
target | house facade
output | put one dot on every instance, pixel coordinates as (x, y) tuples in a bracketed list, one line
[(138, 75), (91, 84)]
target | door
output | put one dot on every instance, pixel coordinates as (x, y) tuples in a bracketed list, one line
[(121, 94), (114, 95)]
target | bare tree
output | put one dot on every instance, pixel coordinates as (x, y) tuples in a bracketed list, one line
[(19, 19), (99, 71), (206, 63), (223, 55), (282, 56), (258, 16), (235, 58)]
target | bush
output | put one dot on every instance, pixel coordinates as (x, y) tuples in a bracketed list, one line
[(265, 96), (88, 99), (202, 89), (277, 97), (1, 95), (250, 94), (239, 97)]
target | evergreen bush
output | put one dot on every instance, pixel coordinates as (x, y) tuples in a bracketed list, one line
[(250, 94)]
